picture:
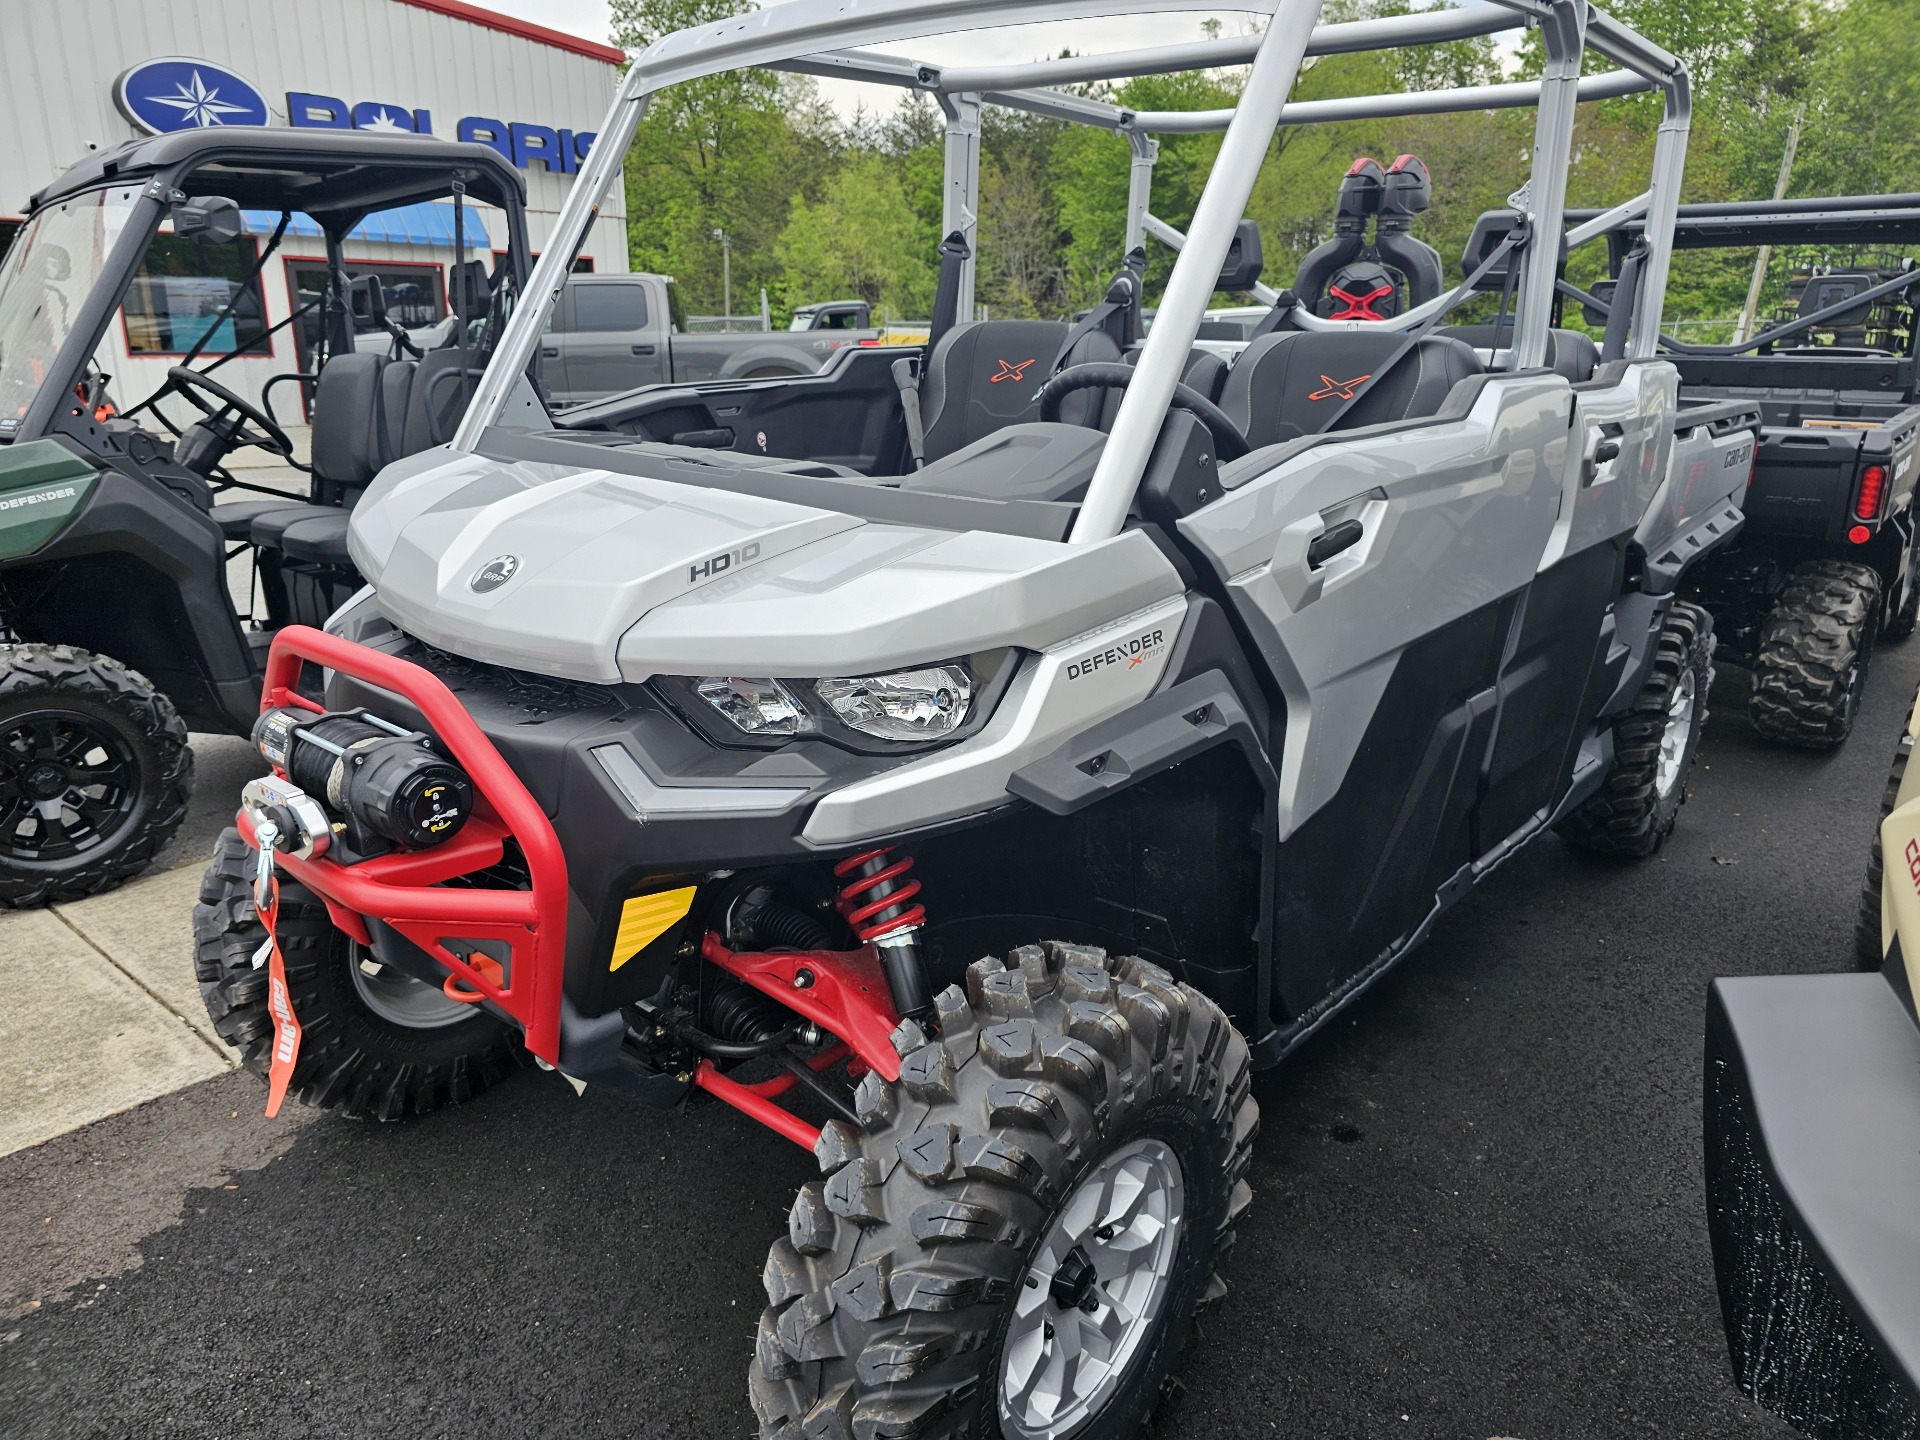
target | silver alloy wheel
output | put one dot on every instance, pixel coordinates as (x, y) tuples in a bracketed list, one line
[(1093, 1292), (397, 997), (1673, 740)]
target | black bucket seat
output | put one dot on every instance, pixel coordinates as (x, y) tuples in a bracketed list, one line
[(1299, 383)]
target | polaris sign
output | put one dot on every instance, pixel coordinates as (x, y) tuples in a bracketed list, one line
[(178, 93)]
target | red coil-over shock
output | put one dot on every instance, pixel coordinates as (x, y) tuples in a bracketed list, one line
[(875, 900)]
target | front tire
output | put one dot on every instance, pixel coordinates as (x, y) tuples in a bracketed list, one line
[(1014, 1241), (95, 773), (1654, 744), (1814, 651), (375, 1043)]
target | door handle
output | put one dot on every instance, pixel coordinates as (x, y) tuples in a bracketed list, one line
[(1329, 543), (643, 349), (551, 352)]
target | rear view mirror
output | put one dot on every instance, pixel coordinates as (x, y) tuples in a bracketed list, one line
[(1601, 290), (1245, 258), (210, 219)]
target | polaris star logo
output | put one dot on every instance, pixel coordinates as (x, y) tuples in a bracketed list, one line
[(720, 564), (1332, 389), (1010, 371), (179, 93), (495, 573)]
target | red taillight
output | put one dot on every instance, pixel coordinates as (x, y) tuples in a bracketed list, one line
[(1873, 488), (1859, 534)]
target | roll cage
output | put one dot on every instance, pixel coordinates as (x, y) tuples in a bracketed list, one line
[(823, 37)]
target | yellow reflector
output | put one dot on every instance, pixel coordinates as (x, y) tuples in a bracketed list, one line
[(645, 918)]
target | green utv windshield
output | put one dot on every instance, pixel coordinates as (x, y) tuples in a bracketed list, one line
[(43, 284)]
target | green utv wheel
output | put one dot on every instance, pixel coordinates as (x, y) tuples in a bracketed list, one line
[(376, 1043), (95, 773), (1015, 1239), (1634, 810), (1813, 655)]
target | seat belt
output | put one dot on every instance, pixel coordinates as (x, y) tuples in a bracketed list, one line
[(954, 253)]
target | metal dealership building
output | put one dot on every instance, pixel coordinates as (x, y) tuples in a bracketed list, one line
[(443, 67)]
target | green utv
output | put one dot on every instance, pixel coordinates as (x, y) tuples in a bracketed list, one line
[(119, 514)]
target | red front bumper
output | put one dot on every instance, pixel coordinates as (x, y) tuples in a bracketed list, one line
[(406, 890)]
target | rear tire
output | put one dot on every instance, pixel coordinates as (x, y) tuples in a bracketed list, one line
[(1867, 949), (1654, 743), (919, 1288), (1901, 622), (95, 773), (352, 1057), (1814, 651)]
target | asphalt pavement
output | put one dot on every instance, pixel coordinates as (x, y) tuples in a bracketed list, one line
[(1478, 1203)]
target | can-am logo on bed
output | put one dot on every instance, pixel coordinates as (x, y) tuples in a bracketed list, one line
[(178, 93)]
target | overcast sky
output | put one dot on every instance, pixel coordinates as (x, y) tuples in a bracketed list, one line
[(589, 18)]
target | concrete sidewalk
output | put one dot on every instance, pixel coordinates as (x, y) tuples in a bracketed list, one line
[(102, 1010)]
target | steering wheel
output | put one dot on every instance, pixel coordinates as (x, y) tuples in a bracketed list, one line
[(188, 382), (1228, 442)]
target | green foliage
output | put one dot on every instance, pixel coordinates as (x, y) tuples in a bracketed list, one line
[(818, 207)]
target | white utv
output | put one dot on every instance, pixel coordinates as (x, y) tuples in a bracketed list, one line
[(717, 766)]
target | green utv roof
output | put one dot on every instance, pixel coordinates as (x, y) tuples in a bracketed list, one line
[(320, 172)]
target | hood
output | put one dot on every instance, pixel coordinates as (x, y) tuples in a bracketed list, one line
[(598, 576)]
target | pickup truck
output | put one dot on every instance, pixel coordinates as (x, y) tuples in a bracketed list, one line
[(613, 333), (1826, 564)]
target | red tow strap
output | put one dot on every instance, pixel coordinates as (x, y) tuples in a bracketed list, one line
[(286, 1025)]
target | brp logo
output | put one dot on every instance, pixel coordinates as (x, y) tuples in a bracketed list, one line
[(495, 573), (178, 93)]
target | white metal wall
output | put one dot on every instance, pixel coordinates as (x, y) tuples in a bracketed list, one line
[(58, 63)]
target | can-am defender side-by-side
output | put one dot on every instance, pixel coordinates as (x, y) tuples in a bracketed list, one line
[(1812, 1138), (118, 513), (691, 774), (1825, 566)]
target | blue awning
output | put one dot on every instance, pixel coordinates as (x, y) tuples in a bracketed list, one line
[(428, 223)]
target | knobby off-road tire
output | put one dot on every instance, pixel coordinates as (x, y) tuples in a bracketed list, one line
[(891, 1301), (1633, 811), (95, 773), (1868, 953), (1813, 655), (351, 1057)]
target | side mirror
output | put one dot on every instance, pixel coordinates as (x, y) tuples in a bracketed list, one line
[(210, 219), (1600, 290), (1245, 258), (469, 282), (369, 300)]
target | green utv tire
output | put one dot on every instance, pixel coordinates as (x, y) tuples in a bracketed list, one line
[(95, 773), (1654, 744), (1055, 1178), (375, 1042), (1814, 651)]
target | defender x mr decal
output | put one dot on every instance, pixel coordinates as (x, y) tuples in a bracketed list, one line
[(1332, 389), (1010, 371)]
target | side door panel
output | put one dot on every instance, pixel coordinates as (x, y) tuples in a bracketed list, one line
[(1566, 633), (617, 341), (1389, 654)]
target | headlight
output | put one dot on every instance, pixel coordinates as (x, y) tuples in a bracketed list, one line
[(900, 709), (905, 705), (756, 707)]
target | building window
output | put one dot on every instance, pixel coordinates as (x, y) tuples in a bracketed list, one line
[(180, 291)]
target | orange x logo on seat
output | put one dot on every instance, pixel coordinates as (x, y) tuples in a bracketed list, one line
[(1338, 389), (1010, 371)]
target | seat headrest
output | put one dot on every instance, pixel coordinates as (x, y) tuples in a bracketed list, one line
[(349, 440), (984, 375)]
